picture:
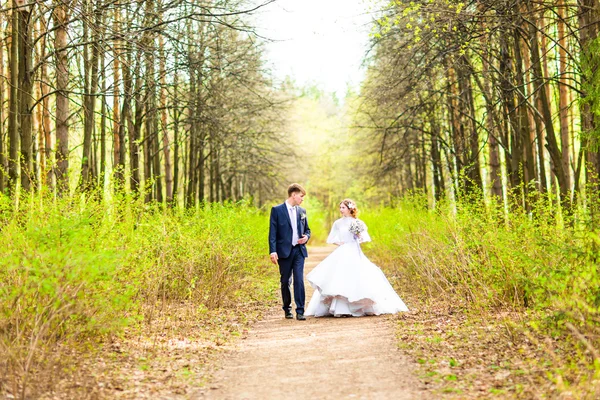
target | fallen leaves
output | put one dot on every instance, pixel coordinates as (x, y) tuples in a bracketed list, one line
[(486, 354), (171, 356)]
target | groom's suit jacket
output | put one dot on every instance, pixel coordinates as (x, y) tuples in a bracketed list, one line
[(280, 230)]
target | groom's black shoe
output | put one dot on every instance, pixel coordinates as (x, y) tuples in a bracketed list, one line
[(300, 317), (288, 315)]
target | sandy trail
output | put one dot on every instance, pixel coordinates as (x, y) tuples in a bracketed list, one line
[(320, 358)]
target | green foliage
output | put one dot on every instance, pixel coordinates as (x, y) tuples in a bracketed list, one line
[(76, 270), (320, 127), (317, 220), (475, 252), (61, 268), (479, 256), (590, 82), (207, 255)]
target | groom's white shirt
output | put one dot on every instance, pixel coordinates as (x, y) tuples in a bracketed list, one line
[(293, 220)]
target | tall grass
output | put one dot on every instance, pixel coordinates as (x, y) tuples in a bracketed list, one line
[(73, 270), (479, 257)]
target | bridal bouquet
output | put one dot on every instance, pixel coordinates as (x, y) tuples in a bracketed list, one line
[(357, 227)]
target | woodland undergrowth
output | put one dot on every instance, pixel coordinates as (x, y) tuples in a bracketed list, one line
[(86, 283), (503, 303)]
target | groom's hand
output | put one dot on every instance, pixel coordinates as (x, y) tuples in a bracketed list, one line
[(274, 258), (303, 239)]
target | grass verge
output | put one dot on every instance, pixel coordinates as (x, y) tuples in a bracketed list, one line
[(88, 288), (503, 304)]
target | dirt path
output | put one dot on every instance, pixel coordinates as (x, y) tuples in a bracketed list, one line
[(322, 358)]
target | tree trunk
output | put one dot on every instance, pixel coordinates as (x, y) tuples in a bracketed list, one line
[(164, 122), (151, 177), (212, 168), (191, 178), (563, 95), (588, 17), (176, 115), (422, 163), (102, 174), (118, 123), (133, 125), (158, 194), (540, 144), (473, 172), (436, 159), (524, 155), (552, 145), (494, 127), (2, 141), (191, 147), (62, 98), (87, 170), (13, 114), (25, 90), (38, 112), (513, 140), (455, 134), (201, 174), (47, 176)]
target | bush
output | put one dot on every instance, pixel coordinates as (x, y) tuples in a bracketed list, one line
[(75, 270), (474, 253), (478, 256)]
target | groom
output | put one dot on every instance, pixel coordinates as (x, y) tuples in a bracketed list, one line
[(288, 234)]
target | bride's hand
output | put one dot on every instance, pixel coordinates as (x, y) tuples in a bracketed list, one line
[(340, 243)]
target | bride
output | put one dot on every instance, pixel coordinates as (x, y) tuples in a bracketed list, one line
[(346, 282)]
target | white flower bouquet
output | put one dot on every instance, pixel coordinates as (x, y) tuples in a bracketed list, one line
[(357, 227)]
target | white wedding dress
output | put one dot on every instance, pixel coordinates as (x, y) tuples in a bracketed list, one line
[(347, 283)]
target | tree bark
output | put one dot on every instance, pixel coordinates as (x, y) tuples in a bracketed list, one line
[(552, 145), (2, 98), (176, 115), (563, 93), (61, 17), (102, 174), (26, 94), (524, 155), (588, 17), (47, 172), (87, 169), (13, 114), (164, 123), (191, 170), (510, 108), (133, 126), (436, 159), (473, 171), (118, 123)]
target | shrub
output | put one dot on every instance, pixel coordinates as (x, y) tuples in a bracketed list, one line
[(74, 270), (478, 256)]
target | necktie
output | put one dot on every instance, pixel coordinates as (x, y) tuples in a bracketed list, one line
[(294, 221)]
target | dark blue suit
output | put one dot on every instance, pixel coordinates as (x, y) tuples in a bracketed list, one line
[(290, 258)]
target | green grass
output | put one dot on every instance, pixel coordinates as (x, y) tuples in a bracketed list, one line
[(74, 272), (477, 258)]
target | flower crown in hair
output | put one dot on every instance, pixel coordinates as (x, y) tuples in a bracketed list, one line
[(351, 205)]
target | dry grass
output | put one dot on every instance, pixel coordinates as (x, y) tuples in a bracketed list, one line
[(100, 300), (500, 309)]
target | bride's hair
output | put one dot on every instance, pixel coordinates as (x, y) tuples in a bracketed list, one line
[(351, 206)]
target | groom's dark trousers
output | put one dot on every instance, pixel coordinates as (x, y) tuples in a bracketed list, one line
[(290, 258), (292, 265)]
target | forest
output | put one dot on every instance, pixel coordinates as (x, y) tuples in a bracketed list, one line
[(142, 144)]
